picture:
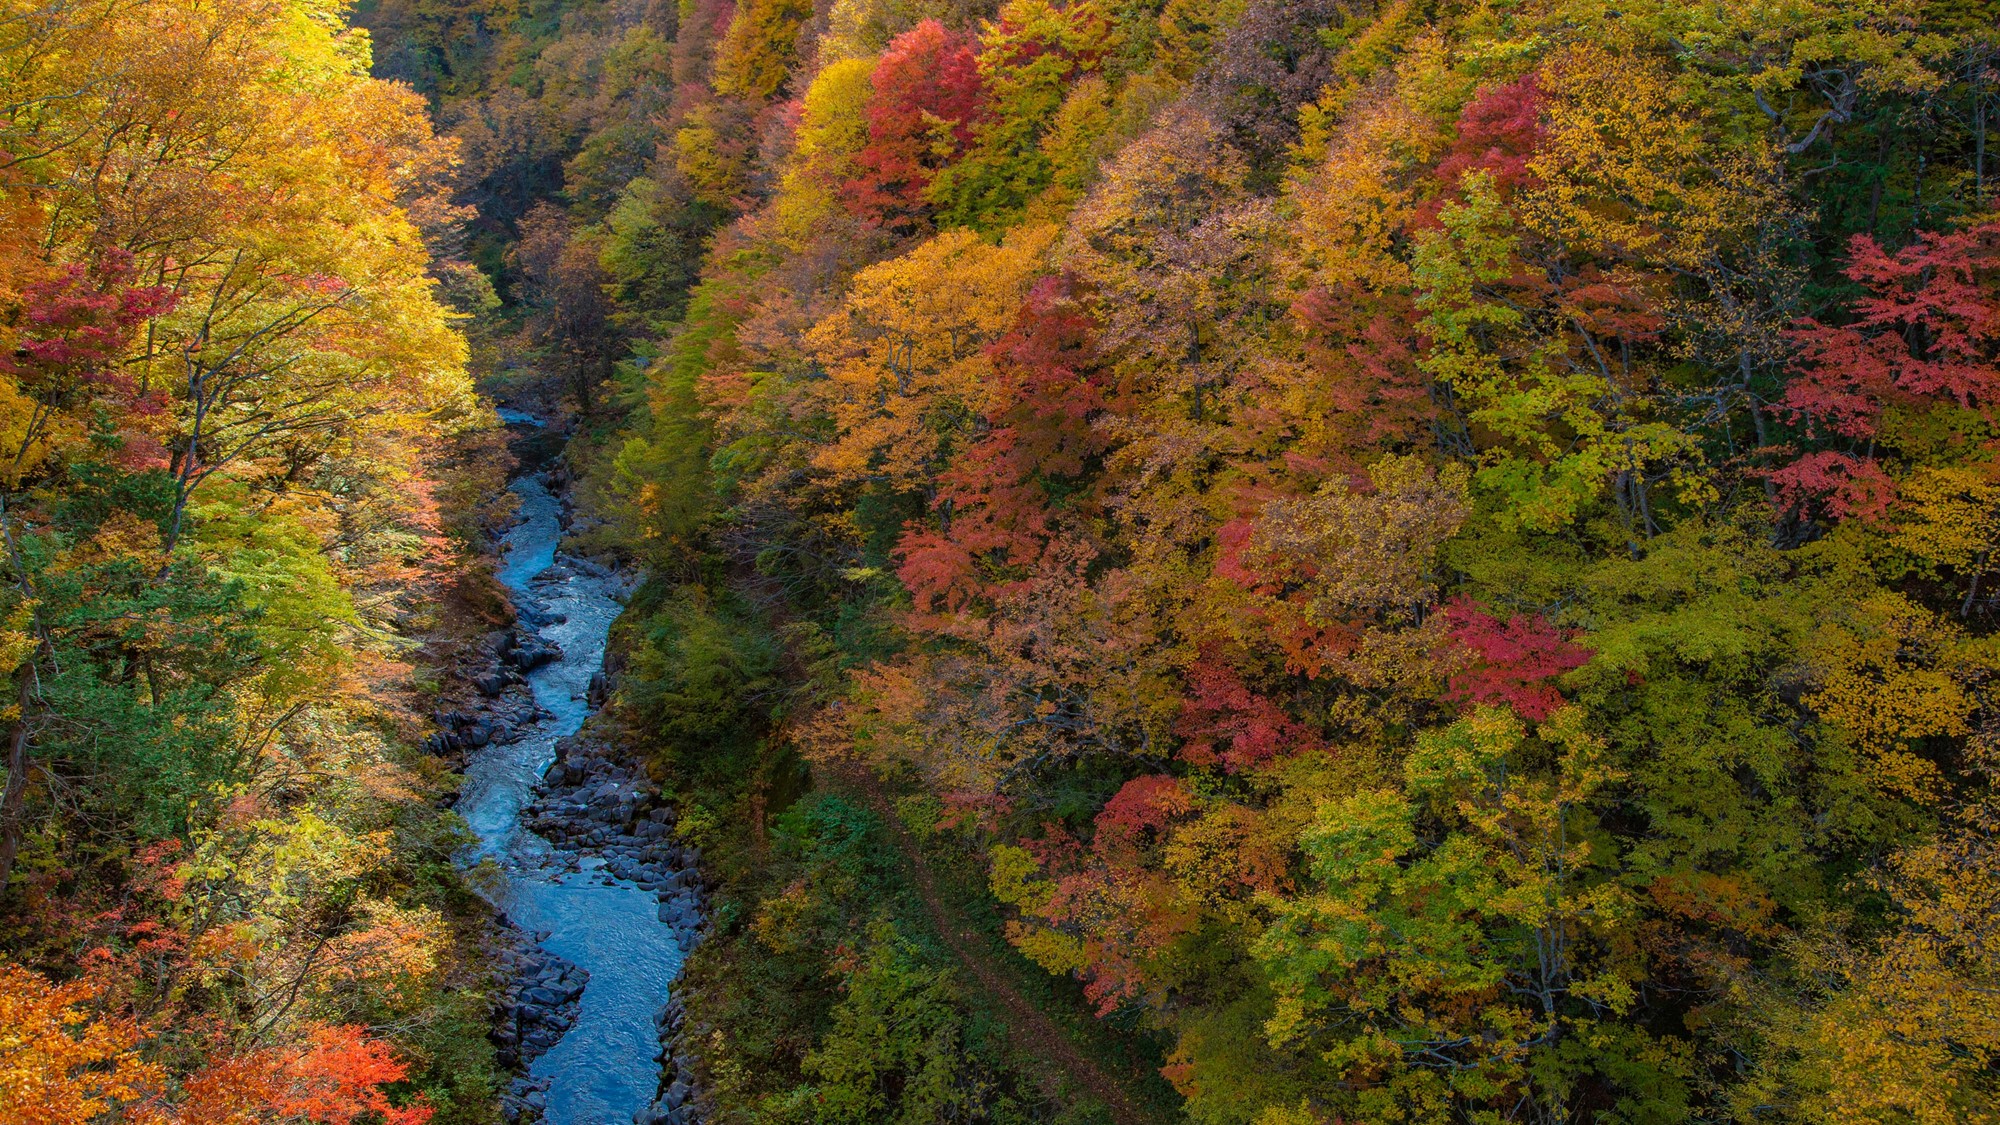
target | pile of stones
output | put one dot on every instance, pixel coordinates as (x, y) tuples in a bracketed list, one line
[(676, 1103), (536, 1009), (504, 706), (590, 803)]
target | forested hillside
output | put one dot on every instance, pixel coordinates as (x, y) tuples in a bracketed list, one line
[(1433, 559), (1263, 562), (243, 482)]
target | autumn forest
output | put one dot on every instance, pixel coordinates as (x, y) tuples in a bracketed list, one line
[(1237, 562)]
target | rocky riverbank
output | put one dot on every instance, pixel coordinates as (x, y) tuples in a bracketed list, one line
[(605, 817), (538, 1006)]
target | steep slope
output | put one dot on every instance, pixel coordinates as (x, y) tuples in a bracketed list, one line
[(1435, 555), (1420, 561), (246, 493)]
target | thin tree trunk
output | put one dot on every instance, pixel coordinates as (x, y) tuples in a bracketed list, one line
[(1881, 178), (14, 799), (1972, 592), (1978, 152), (1979, 140)]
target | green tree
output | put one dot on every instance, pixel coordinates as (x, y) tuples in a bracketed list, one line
[(896, 1050)]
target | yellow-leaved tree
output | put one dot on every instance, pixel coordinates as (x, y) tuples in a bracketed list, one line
[(907, 375)]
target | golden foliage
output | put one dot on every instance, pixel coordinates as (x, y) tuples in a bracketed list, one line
[(907, 376)]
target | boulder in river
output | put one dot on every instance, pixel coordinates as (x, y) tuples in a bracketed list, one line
[(533, 652)]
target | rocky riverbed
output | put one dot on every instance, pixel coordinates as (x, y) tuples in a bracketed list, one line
[(605, 819), (575, 848)]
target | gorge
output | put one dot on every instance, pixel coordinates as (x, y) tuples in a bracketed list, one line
[(617, 900), (999, 562)]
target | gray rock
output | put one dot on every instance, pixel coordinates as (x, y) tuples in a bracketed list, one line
[(535, 653)]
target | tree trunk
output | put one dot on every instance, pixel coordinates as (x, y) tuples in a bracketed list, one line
[(14, 799)]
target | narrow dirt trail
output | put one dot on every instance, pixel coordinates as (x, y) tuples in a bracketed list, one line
[(1033, 1033)]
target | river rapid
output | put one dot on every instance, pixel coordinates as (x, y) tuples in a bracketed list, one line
[(605, 1070)]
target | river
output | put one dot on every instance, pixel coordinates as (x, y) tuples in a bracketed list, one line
[(604, 1070)]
